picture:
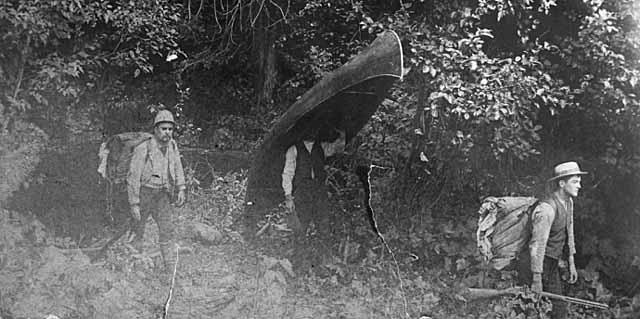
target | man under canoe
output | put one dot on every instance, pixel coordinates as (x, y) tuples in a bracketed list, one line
[(303, 178)]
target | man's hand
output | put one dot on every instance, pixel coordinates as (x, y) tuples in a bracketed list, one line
[(288, 202), (292, 220), (135, 212), (536, 284), (181, 198), (573, 273)]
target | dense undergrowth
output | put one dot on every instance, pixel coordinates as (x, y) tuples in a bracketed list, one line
[(423, 273), (427, 260), (429, 257)]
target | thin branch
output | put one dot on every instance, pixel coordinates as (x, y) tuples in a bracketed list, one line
[(284, 17), (215, 15), (239, 14), (23, 61), (253, 23), (189, 10), (200, 9)]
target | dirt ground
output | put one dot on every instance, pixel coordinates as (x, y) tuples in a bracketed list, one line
[(51, 232), (57, 221), (46, 277), (49, 264)]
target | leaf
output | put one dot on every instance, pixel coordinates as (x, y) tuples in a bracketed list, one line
[(406, 70), (171, 57), (474, 65), (484, 32)]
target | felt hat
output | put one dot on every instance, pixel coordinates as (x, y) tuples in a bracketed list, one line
[(566, 169), (164, 116)]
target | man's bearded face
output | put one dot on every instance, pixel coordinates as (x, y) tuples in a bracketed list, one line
[(164, 132)]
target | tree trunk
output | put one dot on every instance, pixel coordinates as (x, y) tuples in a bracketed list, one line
[(418, 124), (265, 52)]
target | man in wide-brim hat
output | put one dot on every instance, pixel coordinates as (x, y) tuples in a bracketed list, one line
[(552, 241)]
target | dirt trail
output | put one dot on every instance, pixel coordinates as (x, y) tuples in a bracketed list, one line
[(224, 280), (42, 271)]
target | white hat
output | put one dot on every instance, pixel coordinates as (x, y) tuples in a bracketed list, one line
[(566, 169)]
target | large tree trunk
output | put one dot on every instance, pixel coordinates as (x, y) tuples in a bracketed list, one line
[(265, 53)]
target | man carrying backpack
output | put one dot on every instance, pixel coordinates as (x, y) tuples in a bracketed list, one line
[(552, 240), (155, 172)]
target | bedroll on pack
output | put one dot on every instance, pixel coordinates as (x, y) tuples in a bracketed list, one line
[(504, 228), (115, 155)]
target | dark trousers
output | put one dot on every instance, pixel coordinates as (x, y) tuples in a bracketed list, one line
[(551, 282), (157, 203), (312, 204)]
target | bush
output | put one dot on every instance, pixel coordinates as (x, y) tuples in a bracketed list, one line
[(19, 155)]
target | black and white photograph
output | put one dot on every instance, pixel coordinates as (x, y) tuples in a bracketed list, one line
[(267, 159)]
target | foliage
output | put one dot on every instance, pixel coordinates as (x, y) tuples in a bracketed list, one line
[(56, 55), (55, 52), (220, 203), (19, 155), (497, 93), (502, 90)]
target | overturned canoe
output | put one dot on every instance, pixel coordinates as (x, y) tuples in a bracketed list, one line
[(344, 99)]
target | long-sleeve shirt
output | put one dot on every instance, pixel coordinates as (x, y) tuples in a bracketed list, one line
[(329, 149), (543, 218), (150, 167)]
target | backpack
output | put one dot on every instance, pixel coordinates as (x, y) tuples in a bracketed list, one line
[(504, 228), (115, 155)]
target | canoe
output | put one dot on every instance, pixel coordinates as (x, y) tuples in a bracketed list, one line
[(345, 99)]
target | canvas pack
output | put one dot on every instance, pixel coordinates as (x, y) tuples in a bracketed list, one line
[(504, 228)]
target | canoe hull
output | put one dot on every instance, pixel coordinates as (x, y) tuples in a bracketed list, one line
[(345, 99)]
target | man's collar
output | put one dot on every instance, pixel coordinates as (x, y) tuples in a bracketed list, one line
[(156, 143), (563, 197)]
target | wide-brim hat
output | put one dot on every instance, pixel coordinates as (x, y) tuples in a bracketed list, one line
[(566, 169)]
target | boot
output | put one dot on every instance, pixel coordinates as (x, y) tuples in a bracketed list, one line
[(168, 251)]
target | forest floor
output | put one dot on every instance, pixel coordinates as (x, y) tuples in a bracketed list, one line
[(48, 267), (44, 276)]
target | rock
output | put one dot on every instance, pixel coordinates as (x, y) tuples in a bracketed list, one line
[(205, 233)]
